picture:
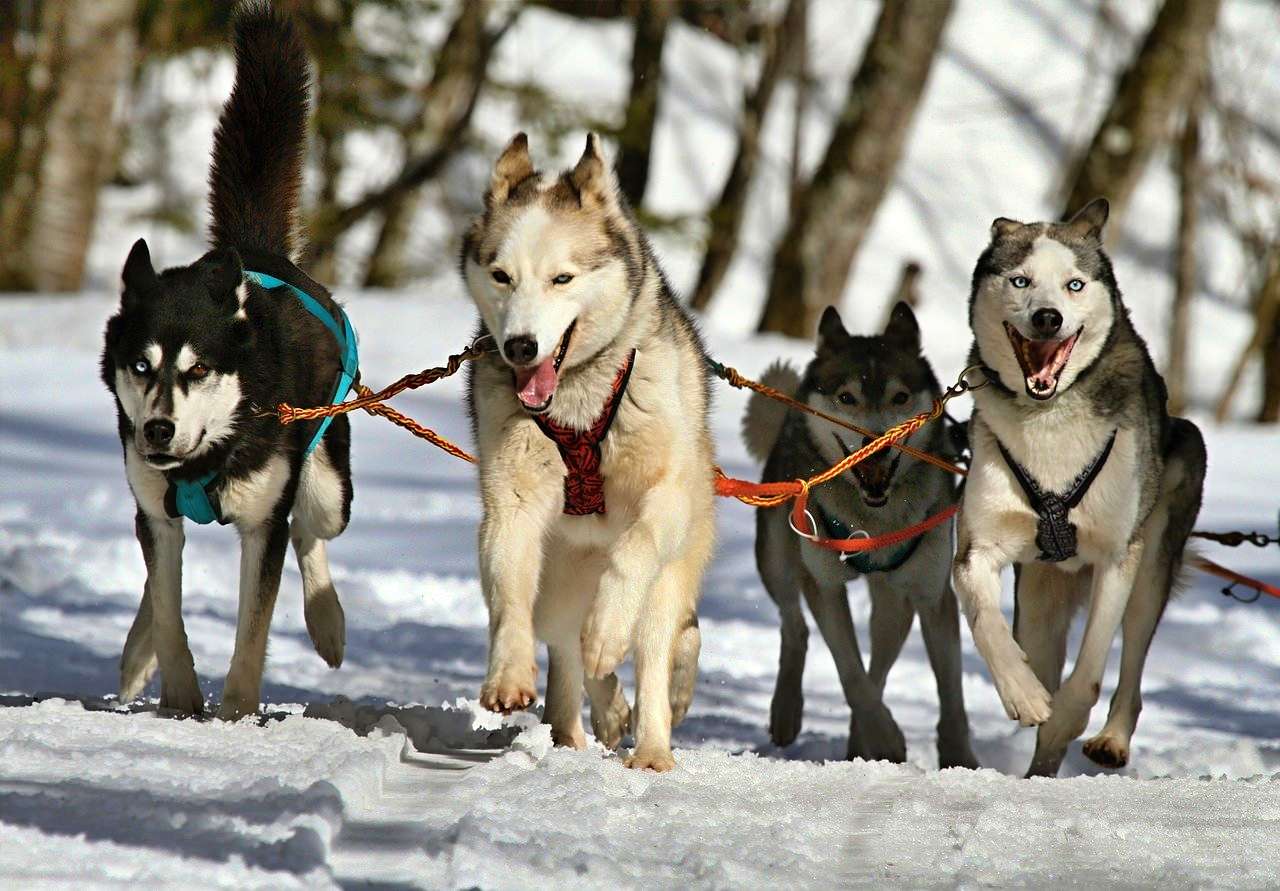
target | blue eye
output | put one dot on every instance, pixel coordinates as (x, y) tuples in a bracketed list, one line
[(1075, 285), (562, 279), (141, 366), (1020, 281)]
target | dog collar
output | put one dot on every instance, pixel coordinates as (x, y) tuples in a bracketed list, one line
[(863, 563), (1055, 534), (580, 450), (197, 499)]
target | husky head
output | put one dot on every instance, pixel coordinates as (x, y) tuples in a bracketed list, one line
[(553, 265), (873, 382), (1044, 299), (173, 352)]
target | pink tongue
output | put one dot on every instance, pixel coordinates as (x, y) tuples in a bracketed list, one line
[(534, 386), (1041, 353)]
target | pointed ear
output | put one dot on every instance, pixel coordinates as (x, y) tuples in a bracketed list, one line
[(1002, 226), (903, 330), (1089, 220), (592, 176), (512, 168), (831, 331), (139, 275)]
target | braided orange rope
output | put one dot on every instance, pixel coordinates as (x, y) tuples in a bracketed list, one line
[(735, 379)]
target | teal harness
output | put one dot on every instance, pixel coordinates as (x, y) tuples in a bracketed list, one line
[(197, 499), (864, 562)]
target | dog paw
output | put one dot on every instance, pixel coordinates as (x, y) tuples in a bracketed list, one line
[(875, 736), (327, 626), (180, 693), (956, 754), (569, 739), (510, 690), (1107, 751), (236, 703), (602, 650), (660, 760), (1024, 698), (785, 719), (135, 674), (611, 724)]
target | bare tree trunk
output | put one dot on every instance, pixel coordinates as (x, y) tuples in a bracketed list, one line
[(1158, 82), (1266, 316), (835, 210), (726, 216), (1184, 282), (635, 140), (66, 146), (449, 96), (800, 76), (331, 222)]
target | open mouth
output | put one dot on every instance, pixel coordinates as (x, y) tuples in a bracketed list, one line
[(874, 474), (1042, 361), (536, 384)]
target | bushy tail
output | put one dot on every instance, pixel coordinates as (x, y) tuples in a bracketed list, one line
[(256, 177), (763, 421)]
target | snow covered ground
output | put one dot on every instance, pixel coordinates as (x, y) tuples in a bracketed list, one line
[(431, 792), (89, 793)]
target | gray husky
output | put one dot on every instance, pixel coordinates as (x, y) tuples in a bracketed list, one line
[(1080, 478), (595, 456), (874, 382)]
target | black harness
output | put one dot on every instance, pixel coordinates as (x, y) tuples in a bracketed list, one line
[(1056, 535)]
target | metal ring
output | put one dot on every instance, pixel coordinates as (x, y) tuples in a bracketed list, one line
[(968, 387), (813, 524)]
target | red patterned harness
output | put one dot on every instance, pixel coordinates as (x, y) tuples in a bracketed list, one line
[(580, 450)]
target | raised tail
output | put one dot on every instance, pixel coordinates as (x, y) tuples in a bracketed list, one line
[(762, 423), (256, 177)]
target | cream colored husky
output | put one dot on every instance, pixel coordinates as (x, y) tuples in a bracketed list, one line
[(594, 454)]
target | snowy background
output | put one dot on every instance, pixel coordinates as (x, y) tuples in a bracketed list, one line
[(435, 793)]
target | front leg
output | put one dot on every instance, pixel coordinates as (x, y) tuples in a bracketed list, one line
[(162, 540), (1112, 585), (262, 551), (977, 582), (648, 544)]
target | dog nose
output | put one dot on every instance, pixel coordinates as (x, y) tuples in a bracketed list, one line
[(158, 432), (520, 350), (1047, 322)]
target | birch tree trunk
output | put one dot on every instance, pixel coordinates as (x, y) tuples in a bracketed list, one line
[(1158, 82), (726, 217), (835, 210), (64, 146)]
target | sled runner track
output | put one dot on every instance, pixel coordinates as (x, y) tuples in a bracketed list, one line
[(761, 495)]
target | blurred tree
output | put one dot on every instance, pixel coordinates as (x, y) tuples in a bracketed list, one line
[(1150, 92), (446, 106), (782, 42), (57, 146), (1187, 161), (1265, 340), (635, 139), (835, 209), (458, 77)]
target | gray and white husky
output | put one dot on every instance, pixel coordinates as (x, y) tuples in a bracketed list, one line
[(1080, 478), (595, 456), (874, 382)]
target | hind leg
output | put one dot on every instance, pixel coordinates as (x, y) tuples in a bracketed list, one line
[(940, 627), (321, 510), (564, 595), (262, 551), (563, 709), (684, 669), (326, 622)]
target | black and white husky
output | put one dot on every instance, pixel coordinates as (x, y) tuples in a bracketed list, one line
[(1080, 478), (195, 354)]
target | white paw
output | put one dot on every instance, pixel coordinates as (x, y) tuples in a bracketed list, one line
[(510, 688), (1025, 699), (659, 760), (611, 723)]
